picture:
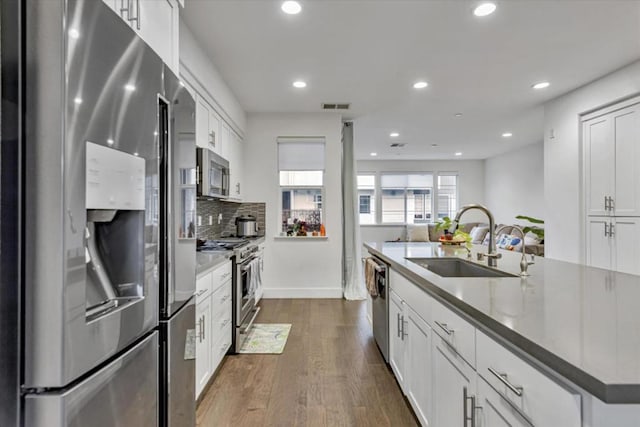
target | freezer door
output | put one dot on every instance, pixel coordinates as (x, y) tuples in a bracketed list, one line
[(178, 367), (124, 393)]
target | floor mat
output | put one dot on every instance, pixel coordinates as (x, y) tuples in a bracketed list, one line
[(266, 338)]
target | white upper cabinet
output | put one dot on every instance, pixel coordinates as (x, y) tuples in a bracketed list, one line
[(611, 143), (156, 22)]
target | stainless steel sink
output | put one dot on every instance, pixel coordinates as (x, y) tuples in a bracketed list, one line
[(456, 267)]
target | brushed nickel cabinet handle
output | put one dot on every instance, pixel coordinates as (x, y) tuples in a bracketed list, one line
[(503, 378), (444, 327), (398, 324)]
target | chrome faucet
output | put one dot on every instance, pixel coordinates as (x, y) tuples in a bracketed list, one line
[(524, 264), (493, 255)]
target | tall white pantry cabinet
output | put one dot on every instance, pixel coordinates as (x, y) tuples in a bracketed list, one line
[(611, 147)]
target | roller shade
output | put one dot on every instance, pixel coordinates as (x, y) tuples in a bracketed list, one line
[(407, 181), (301, 154)]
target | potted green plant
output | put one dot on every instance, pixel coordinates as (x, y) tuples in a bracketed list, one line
[(535, 229)]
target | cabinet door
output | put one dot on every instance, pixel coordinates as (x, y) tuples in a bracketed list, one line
[(626, 245), (599, 152), (158, 27), (396, 338), (496, 411), (203, 344), (226, 141), (419, 371), (453, 378), (202, 123), (626, 134), (215, 140), (598, 245)]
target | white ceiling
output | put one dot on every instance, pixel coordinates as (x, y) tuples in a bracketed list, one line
[(370, 52)]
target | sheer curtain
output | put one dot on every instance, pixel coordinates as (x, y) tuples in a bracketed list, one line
[(352, 284)]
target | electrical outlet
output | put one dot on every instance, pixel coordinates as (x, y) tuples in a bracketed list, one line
[(219, 218), (199, 220), (210, 219)]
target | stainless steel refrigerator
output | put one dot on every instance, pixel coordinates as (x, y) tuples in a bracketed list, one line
[(104, 261)]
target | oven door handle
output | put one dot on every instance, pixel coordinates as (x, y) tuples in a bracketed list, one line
[(244, 329)]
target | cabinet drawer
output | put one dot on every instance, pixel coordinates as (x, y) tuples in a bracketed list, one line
[(221, 299), (541, 400), (420, 301), (203, 287), (221, 275), (455, 331), (220, 348), (221, 324)]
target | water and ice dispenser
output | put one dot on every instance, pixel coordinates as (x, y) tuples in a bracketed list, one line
[(114, 234)]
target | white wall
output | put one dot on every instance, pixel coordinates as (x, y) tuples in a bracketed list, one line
[(514, 184), (470, 188), (563, 212), (199, 71), (296, 268)]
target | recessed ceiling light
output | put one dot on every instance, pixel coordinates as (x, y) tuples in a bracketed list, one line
[(110, 141), (420, 85), (129, 88), (291, 7), (394, 134), (78, 101), (507, 135), (135, 154), (74, 34), (373, 154), (484, 9), (299, 84), (458, 114), (541, 85), (459, 153)]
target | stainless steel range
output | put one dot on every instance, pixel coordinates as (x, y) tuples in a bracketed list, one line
[(245, 309)]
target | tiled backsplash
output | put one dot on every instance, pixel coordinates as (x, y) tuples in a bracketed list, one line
[(229, 211)]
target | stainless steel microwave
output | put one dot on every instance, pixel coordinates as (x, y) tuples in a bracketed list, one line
[(213, 174)]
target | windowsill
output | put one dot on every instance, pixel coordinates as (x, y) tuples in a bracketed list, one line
[(301, 238), (383, 225)]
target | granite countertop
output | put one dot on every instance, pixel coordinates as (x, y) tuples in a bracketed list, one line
[(582, 322)]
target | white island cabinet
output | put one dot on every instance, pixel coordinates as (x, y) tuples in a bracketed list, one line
[(451, 372)]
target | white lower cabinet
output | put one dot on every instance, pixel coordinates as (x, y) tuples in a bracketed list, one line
[(614, 243), (396, 338), (410, 356), (419, 366), (203, 344), (453, 387), (454, 375), (213, 322)]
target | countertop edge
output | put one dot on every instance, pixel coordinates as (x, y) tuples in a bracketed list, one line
[(524, 348)]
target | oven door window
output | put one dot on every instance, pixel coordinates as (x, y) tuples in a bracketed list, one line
[(246, 296)]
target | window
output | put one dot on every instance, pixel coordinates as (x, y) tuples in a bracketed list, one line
[(447, 195), (365, 204), (301, 174), (367, 198), (407, 199)]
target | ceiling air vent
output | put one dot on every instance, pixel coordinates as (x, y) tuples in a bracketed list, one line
[(397, 145), (334, 106)]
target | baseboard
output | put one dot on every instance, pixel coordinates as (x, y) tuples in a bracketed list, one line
[(272, 293)]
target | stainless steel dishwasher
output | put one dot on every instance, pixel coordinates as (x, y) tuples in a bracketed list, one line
[(380, 308)]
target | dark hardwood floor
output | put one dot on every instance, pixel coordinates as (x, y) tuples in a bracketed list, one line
[(330, 374)]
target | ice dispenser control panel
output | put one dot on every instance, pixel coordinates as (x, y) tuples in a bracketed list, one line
[(115, 180)]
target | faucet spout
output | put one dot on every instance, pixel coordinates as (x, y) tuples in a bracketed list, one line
[(493, 255)]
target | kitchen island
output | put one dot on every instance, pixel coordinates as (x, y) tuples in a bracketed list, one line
[(578, 325)]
